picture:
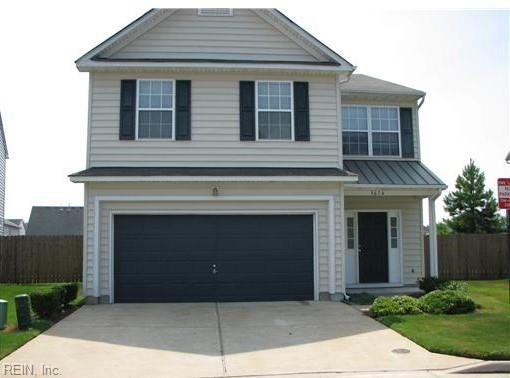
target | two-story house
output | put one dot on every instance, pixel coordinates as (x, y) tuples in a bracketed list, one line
[(231, 156)]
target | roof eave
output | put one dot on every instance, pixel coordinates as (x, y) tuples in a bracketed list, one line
[(85, 179), (94, 65), (417, 94)]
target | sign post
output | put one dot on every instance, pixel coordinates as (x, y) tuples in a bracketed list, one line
[(504, 199)]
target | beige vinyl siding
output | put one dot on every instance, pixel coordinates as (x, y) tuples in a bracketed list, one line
[(203, 189), (347, 100), (412, 237), (185, 35), (214, 126)]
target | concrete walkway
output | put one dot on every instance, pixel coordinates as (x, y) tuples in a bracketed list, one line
[(226, 339)]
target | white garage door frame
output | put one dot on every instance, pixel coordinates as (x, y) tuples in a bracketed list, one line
[(314, 213), (331, 227)]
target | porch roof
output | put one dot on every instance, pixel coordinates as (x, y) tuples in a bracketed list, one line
[(393, 172)]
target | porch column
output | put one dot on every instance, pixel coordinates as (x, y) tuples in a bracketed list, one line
[(433, 236)]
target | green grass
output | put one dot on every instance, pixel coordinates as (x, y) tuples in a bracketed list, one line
[(10, 338), (484, 334)]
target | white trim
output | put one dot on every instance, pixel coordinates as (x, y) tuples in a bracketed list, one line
[(98, 199), (291, 110), (138, 109), (331, 242), (78, 179), (313, 212), (389, 213), (91, 65), (370, 130)]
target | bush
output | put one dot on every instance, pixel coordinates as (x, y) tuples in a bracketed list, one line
[(396, 305), (428, 284), (447, 302), (45, 304), (70, 293), (454, 285)]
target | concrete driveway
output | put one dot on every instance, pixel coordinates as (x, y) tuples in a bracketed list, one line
[(226, 339)]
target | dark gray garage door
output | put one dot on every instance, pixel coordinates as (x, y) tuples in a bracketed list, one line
[(197, 258)]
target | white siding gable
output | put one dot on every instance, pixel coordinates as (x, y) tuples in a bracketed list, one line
[(186, 35)]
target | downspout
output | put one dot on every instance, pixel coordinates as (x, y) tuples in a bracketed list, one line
[(340, 155)]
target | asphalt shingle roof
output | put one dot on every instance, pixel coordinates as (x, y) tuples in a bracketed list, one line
[(55, 220), (359, 83)]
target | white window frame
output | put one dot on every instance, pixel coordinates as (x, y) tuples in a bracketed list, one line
[(370, 130), (155, 109), (292, 136)]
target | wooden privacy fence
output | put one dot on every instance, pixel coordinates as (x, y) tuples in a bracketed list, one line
[(33, 259), (471, 256)]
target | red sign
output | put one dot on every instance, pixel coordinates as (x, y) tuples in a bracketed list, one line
[(504, 193)]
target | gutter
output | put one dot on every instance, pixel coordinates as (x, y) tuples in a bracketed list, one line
[(422, 100)]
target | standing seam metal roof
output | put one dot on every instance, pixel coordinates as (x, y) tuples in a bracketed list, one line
[(392, 172)]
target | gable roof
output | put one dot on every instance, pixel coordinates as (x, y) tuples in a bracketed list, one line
[(103, 57), (2, 135), (364, 84), (55, 220)]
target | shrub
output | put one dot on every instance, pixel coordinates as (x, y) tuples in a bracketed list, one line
[(428, 284), (454, 285), (396, 305), (45, 304), (447, 302), (362, 298), (70, 293)]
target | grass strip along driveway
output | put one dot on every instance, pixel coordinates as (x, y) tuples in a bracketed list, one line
[(484, 334), (11, 338)]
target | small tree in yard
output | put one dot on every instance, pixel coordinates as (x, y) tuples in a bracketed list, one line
[(472, 208)]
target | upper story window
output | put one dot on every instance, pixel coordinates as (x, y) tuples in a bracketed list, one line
[(155, 109), (371, 130), (274, 117)]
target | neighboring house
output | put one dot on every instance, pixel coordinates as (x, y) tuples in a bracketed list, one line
[(14, 227), (55, 220), (232, 156), (4, 154)]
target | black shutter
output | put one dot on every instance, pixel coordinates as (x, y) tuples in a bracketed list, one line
[(406, 132), (247, 110), (301, 112), (127, 109), (183, 110)]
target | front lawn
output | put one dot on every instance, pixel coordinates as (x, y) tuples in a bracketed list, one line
[(484, 334), (10, 338)]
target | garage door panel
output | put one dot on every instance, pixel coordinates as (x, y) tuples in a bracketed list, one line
[(170, 258)]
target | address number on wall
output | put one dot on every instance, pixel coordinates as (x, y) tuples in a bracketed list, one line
[(377, 193)]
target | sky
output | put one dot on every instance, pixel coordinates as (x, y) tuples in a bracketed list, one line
[(460, 57)]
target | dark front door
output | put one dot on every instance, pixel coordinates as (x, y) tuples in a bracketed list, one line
[(373, 247), (197, 258)]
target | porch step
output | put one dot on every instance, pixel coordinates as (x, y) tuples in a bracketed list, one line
[(388, 291)]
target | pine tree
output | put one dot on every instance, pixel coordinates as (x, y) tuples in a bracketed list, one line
[(472, 208)]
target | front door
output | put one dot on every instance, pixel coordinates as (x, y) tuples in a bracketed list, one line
[(373, 247)]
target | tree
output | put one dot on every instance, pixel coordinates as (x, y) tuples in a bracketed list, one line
[(443, 228), (472, 208)]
